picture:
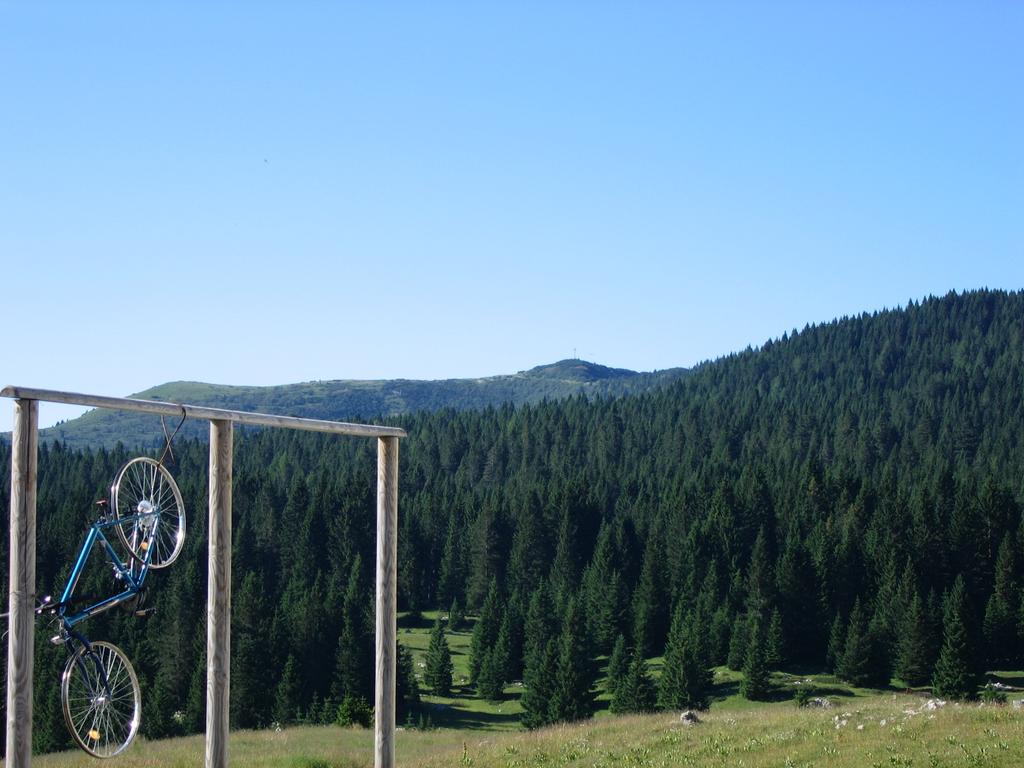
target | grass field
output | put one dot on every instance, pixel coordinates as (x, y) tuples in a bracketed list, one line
[(890, 730), (867, 728)]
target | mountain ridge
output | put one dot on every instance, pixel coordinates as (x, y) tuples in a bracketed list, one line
[(358, 399)]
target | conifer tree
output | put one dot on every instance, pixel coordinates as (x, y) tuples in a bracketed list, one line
[(286, 701), (855, 663), (760, 578), (773, 656), (494, 669), (836, 644), (456, 616), (1000, 626), (439, 668), (738, 642), (882, 647), (1020, 622), (530, 557), (485, 631), (756, 684), (685, 677), (618, 664), (914, 658), (604, 593), (955, 676), (407, 689), (575, 674), (353, 660), (795, 580), (540, 629), (514, 638), (539, 686), (650, 598), (490, 684), (635, 693), (718, 637)]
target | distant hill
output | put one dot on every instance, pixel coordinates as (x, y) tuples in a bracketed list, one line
[(357, 399)]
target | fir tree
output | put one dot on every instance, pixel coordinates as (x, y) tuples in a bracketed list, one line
[(855, 664), (494, 671), (618, 664), (407, 689), (738, 642), (914, 659), (604, 593), (490, 682), (575, 674), (650, 598), (718, 640), (756, 684), (439, 668), (955, 676), (760, 578), (836, 644), (353, 660), (456, 616), (286, 701), (1000, 626), (774, 641), (539, 687), (540, 629), (635, 693), (685, 677), (485, 631)]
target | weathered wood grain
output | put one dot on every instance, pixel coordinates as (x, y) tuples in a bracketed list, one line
[(22, 583), (218, 596), (387, 565)]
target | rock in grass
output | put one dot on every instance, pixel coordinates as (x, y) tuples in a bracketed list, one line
[(689, 717)]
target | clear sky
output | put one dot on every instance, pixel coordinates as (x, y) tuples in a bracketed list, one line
[(255, 193)]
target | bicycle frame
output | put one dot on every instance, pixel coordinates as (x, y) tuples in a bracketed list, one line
[(133, 579)]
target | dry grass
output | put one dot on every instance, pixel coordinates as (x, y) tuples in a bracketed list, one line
[(871, 732)]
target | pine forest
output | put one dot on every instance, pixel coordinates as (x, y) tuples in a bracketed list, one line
[(845, 498)]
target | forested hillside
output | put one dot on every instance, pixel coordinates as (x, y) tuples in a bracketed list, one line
[(838, 486), (354, 400)]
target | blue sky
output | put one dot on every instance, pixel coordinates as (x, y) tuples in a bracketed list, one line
[(258, 193)]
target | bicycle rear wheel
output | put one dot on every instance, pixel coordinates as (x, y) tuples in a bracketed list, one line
[(149, 510), (100, 696)]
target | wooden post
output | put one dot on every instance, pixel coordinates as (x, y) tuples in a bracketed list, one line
[(218, 597), (22, 583), (387, 602)]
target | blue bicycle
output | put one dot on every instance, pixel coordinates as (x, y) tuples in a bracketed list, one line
[(99, 689)]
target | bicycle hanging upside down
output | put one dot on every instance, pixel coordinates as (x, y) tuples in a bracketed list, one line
[(99, 689)]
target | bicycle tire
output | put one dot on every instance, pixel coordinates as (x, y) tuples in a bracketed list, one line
[(102, 720), (150, 513)]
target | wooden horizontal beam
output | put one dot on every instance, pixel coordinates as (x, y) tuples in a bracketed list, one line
[(158, 408)]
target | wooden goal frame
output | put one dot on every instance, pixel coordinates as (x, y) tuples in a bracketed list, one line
[(22, 573)]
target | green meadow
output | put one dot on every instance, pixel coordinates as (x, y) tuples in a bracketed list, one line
[(862, 728), (890, 730)]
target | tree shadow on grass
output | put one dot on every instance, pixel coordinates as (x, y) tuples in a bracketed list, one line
[(1013, 679), (724, 690), (456, 716), (414, 621)]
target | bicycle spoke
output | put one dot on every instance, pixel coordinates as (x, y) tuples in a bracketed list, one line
[(100, 695), (151, 510)]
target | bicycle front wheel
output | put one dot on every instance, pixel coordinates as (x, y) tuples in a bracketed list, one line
[(149, 510), (100, 696)]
